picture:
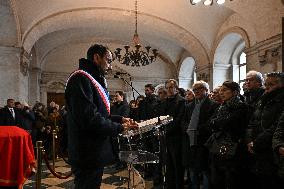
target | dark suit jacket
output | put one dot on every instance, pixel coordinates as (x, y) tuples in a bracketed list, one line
[(121, 109), (6, 117), (197, 157)]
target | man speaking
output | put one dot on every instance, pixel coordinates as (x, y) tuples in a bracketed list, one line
[(90, 125)]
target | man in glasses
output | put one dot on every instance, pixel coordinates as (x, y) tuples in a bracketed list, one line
[(196, 125), (260, 131), (254, 87), (90, 125)]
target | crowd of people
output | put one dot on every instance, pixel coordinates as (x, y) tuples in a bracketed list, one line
[(220, 139), (39, 120)]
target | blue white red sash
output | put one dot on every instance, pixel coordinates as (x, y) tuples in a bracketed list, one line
[(103, 93)]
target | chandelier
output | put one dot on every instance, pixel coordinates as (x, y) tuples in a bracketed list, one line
[(208, 2), (136, 56)]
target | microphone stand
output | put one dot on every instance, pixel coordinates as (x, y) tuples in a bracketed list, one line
[(132, 87), (130, 84)]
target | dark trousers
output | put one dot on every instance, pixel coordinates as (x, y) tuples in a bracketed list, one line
[(226, 177), (174, 168), (268, 182), (88, 179)]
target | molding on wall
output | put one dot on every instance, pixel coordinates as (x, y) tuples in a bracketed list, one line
[(268, 51), (270, 43), (10, 49), (46, 77), (222, 66)]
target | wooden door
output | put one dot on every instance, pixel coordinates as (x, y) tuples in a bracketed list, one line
[(58, 98)]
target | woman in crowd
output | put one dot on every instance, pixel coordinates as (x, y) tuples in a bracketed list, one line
[(228, 152), (189, 96)]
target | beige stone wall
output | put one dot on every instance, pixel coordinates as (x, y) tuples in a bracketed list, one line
[(13, 83), (266, 55)]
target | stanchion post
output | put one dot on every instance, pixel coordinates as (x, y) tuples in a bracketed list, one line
[(53, 148), (39, 149)]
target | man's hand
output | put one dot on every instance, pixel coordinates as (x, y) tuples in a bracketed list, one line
[(128, 123), (250, 147), (281, 151), (126, 119)]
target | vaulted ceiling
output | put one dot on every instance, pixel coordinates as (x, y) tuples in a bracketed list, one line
[(60, 31)]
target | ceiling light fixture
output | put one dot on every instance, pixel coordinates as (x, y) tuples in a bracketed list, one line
[(136, 56), (207, 2)]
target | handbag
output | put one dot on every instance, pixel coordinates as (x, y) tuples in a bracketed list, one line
[(223, 146)]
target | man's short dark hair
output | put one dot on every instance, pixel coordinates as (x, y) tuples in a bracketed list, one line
[(233, 86), (150, 86), (121, 93), (10, 99), (278, 75), (182, 92), (96, 49), (17, 103), (172, 80)]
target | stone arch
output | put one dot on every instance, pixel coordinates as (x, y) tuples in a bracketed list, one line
[(186, 73), (61, 20), (226, 54), (17, 21)]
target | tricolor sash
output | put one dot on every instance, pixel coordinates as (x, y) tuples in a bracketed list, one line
[(103, 93)]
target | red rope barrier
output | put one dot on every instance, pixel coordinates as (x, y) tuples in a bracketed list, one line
[(60, 176)]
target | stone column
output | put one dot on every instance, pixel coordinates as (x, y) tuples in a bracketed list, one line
[(13, 74), (185, 83), (236, 72), (34, 85), (43, 94)]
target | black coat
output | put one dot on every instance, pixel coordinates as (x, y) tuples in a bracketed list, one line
[(278, 136), (197, 158), (261, 129), (253, 96), (231, 119), (121, 109), (7, 119), (160, 107), (89, 124), (277, 142), (174, 106), (27, 119), (263, 122), (146, 109)]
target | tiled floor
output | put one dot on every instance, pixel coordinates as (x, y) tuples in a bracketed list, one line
[(111, 179)]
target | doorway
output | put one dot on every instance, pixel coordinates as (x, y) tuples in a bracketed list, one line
[(58, 98)]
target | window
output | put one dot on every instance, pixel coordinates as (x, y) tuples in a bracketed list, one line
[(242, 70)]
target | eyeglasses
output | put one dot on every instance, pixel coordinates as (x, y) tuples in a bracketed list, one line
[(197, 89), (250, 79)]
